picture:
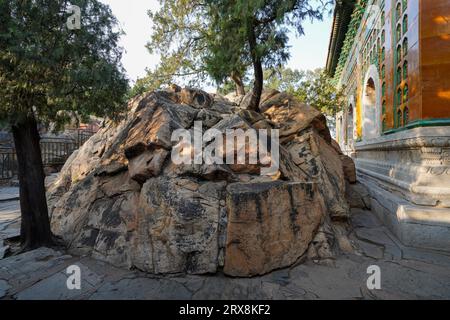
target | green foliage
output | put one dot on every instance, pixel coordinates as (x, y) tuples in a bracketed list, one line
[(357, 15), (234, 21), (319, 91), (314, 88), (54, 72), (283, 79), (226, 87), (142, 85), (179, 31)]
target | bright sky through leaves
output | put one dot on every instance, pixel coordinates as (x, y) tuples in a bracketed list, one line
[(307, 52)]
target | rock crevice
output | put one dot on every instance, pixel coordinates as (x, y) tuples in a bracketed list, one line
[(121, 199)]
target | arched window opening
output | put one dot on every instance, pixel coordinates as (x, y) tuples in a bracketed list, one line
[(405, 24), (405, 47), (405, 93), (349, 138), (405, 5), (398, 11), (405, 70), (399, 74), (399, 97), (399, 31), (370, 93), (399, 53), (371, 107), (399, 118), (405, 116)]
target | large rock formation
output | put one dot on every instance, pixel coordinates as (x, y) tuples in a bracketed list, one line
[(121, 199)]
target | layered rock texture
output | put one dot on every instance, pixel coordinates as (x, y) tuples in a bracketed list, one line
[(121, 198)]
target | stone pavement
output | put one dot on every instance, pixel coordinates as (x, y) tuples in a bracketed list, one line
[(406, 273), (9, 216)]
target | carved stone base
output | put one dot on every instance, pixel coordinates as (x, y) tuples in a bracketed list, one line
[(415, 226), (408, 175)]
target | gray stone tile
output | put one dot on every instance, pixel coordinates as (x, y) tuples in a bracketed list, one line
[(371, 250), (364, 218), (428, 256), (9, 219), (4, 286), (9, 193), (412, 283), (142, 289), (324, 282), (3, 249), (223, 288), (54, 288), (380, 237), (31, 265)]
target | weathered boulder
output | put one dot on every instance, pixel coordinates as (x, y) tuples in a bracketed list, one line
[(180, 219), (348, 164), (270, 225), (122, 199), (349, 169), (148, 164), (358, 196), (195, 98), (291, 116)]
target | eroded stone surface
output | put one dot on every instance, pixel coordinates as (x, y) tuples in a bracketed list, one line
[(122, 200), (270, 225)]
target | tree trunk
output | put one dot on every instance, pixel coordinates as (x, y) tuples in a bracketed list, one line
[(35, 228), (240, 89), (258, 70)]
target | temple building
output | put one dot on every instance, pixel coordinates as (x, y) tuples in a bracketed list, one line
[(391, 58)]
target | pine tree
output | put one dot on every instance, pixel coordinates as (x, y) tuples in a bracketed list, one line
[(255, 31), (50, 69)]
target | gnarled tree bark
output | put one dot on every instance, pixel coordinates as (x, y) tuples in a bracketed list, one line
[(257, 67), (35, 228), (236, 77)]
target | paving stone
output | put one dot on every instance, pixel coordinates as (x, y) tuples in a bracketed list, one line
[(280, 277), (9, 210), (222, 288), (413, 283), (107, 271), (340, 282), (364, 218), (52, 288), (9, 193), (4, 286), (3, 249), (9, 219), (379, 236), (142, 289), (32, 266), (272, 291), (293, 292), (371, 250), (9, 233), (192, 283), (428, 256)]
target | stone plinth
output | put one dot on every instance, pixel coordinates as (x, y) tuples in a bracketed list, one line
[(408, 175)]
